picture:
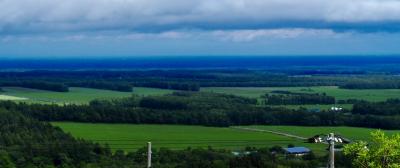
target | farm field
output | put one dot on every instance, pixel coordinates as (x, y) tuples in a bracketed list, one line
[(84, 95), (132, 137), (339, 94), (352, 133), (318, 106), (76, 95), (6, 97)]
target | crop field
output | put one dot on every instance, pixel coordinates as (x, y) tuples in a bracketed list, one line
[(75, 95), (132, 137), (352, 133), (339, 94)]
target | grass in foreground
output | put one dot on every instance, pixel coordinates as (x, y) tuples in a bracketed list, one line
[(132, 137), (76, 95), (339, 94)]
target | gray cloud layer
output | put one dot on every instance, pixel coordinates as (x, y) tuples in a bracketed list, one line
[(38, 16)]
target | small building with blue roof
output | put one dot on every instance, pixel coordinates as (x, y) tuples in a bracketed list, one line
[(297, 151)]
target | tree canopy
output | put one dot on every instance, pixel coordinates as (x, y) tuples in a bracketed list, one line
[(382, 152)]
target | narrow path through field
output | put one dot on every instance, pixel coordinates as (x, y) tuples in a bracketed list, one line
[(269, 131)]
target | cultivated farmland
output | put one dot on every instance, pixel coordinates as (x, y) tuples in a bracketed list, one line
[(339, 94), (76, 95), (132, 137)]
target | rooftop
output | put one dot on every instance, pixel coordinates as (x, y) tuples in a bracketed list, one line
[(295, 150)]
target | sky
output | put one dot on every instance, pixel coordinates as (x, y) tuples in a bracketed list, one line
[(94, 28)]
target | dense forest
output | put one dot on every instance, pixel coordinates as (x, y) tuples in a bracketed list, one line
[(191, 108), (170, 85), (373, 84), (26, 142), (291, 98), (43, 85), (192, 80), (390, 107), (122, 87)]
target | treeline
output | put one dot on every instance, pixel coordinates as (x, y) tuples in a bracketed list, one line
[(116, 86), (192, 80), (373, 84), (170, 85), (179, 108), (208, 109), (42, 85), (325, 72), (389, 107), (26, 142), (350, 101), (166, 104), (291, 98), (189, 80)]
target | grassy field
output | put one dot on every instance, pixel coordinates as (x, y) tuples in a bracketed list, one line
[(6, 97), (318, 106), (75, 95), (84, 95), (352, 133), (131, 137), (339, 94)]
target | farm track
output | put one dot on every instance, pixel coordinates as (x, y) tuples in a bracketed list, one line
[(272, 132)]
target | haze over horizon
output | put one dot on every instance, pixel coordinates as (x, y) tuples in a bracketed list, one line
[(125, 28)]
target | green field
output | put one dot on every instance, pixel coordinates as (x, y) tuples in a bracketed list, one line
[(352, 133), (339, 94), (6, 97), (84, 95), (131, 137), (75, 95), (317, 106)]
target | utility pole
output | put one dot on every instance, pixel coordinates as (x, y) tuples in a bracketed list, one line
[(148, 154), (331, 139), (331, 150)]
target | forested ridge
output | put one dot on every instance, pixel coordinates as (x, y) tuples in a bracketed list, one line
[(26, 142)]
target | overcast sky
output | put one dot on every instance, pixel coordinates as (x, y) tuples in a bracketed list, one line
[(62, 28)]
